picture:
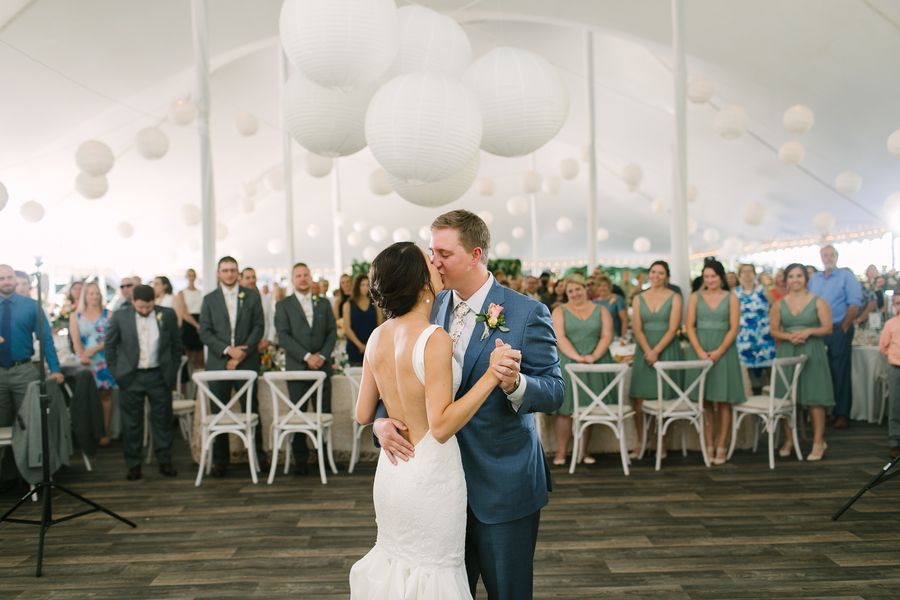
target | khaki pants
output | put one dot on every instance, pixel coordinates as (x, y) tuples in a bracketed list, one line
[(13, 385)]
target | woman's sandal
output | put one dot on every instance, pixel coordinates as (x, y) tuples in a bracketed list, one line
[(818, 452)]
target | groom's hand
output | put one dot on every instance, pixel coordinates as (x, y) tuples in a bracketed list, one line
[(393, 444), (507, 369)]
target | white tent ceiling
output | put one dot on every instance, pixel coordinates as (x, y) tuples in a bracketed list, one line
[(104, 69)]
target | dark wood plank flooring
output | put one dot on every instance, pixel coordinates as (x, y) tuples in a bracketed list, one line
[(738, 531)]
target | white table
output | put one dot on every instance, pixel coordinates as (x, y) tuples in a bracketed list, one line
[(867, 364)]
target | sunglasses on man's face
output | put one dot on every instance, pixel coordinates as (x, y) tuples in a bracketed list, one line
[(126, 285)]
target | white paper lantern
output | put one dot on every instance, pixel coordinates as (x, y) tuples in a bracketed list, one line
[(424, 233), (221, 231), (732, 246), (848, 182), (312, 230), (731, 122), (340, 43), (798, 119), (430, 41), (183, 111), (190, 214), (151, 143), (378, 233), (632, 175), (602, 234), (248, 204), (91, 187), (275, 246), (517, 205), (518, 233), (442, 192), (692, 225), (568, 168), (401, 234), (824, 222), (360, 226), (564, 225), (699, 90), (318, 166), (486, 216), (641, 245), (692, 193), (380, 183), (502, 249), (274, 178), (4, 196), (710, 235), (754, 213), (892, 205), (551, 185), (659, 206), (94, 158), (328, 122), (893, 143), (531, 182), (125, 230), (369, 253), (486, 186), (791, 153), (32, 211), (246, 123), (354, 238), (423, 127)]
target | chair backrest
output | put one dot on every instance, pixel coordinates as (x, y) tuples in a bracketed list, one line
[(178, 384), (683, 402), (597, 407), (354, 376), (226, 415), (295, 415), (786, 372)]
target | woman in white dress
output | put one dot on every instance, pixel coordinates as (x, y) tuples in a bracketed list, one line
[(190, 301), (420, 505)]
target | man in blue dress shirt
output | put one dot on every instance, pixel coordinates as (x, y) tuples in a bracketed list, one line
[(18, 327), (843, 293)]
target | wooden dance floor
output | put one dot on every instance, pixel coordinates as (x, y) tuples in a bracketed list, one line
[(738, 531)]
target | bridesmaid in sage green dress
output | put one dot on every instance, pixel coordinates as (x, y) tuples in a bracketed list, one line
[(799, 322), (584, 331), (655, 321), (713, 321)]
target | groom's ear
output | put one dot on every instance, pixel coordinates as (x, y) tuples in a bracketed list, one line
[(477, 254)]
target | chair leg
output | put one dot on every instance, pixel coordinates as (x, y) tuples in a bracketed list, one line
[(203, 450), (796, 440), (576, 437), (333, 466), (87, 462), (755, 435), (354, 451), (683, 440), (771, 427), (645, 420), (321, 455), (623, 447), (700, 425), (289, 453), (659, 442), (275, 452), (251, 455), (736, 418)]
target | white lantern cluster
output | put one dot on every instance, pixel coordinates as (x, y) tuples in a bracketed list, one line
[(699, 90), (641, 245), (517, 205), (486, 216), (401, 234), (430, 41), (711, 235), (91, 186), (354, 239), (95, 159), (798, 119), (318, 166), (659, 206), (32, 211), (518, 233), (151, 143), (183, 111), (602, 234), (378, 233), (441, 192), (848, 182), (731, 122), (246, 123), (791, 153), (424, 233), (564, 225)]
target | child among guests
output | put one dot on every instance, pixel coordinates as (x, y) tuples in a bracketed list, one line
[(889, 345)]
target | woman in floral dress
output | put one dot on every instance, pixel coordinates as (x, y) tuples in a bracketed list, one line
[(754, 342)]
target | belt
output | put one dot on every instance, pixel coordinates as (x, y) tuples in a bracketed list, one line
[(149, 369), (18, 363)]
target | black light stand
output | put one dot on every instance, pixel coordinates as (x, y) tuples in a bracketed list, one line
[(46, 486), (882, 476)]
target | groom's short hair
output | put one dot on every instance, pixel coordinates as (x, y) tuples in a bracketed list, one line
[(473, 231)]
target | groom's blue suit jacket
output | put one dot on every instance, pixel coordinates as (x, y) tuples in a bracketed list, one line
[(506, 474)]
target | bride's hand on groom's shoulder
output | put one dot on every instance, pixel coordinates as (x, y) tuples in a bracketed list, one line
[(392, 443)]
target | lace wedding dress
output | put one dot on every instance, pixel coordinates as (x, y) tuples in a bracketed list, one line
[(420, 509)]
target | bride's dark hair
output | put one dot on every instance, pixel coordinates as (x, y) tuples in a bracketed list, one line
[(397, 276)]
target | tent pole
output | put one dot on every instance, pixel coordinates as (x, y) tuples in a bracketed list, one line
[(678, 226), (287, 163), (592, 156), (336, 217), (532, 198), (208, 201)]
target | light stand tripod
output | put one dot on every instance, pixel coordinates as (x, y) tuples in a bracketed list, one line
[(46, 486), (882, 476)]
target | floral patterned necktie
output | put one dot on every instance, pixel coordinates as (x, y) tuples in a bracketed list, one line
[(459, 316)]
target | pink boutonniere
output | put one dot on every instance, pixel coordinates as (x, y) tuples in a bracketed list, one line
[(492, 319)]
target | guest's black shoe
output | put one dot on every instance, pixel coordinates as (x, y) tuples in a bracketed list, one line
[(219, 470), (264, 465), (841, 423), (168, 470), (301, 469), (134, 473)]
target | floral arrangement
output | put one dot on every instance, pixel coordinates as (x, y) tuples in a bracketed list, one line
[(339, 359), (492, 319), (271, 360), (886, 281)]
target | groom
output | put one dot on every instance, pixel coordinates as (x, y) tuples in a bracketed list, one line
[(506, 474)]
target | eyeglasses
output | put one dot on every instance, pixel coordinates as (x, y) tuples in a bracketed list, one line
[(126, 285)]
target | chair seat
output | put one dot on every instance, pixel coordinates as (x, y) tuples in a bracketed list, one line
[(596, 417), (651, 407), (229, 421), (760, 404), (294, 420), (182, 406), (6, 435)]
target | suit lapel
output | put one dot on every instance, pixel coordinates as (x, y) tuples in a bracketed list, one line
[(131, 327), (496, 295), (299, 308)]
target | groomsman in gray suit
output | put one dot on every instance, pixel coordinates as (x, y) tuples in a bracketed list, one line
[(307, 331), (231, 326)]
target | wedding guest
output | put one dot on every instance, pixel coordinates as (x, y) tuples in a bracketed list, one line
[(811, 270), (126, 285), (712, 323), (614, 303), (307, 332), (248, 280), (616, 289), (23, 284), (191, 301), (501, 278), (840, 289), (889, 346), (73, 295), (779, 288), (532, 288), (360, 319), (754, 341), (731, 278), (341, 295), (559, 294), (88, 326), (162, 287), (872, 295), (315, 288), (584, 331), (144, 351), (324, 284), (656, 317), (802, 321)]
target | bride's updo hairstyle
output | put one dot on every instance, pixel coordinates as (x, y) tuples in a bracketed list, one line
[(397, 276)]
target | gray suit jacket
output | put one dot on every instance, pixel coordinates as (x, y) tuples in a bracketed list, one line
[(297, 337), (123, 349), (215, 328)]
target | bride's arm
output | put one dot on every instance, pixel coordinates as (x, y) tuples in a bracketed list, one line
[(367, 401), (446, 417)]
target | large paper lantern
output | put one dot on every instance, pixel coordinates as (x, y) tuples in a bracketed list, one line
[(401, 234), (246, 123), (824, 222), (754, 213), (125, 230), (848, 182), (731, 122), (328, 122), (32, 211), (710, 235), (568, 168), (699, 90), (354, 238), (424, 233), (369, 253), (90, 186), (340, 43), (564, 225), (486, 216), (380, 183), (893, 143), (791, 153), (275, 246), (378, 233), (439, 193), (94, 158), (190, 214), (632, 175), (318, 166), (551, 185), (798, 119), (313, 230), (423, 127), (641, 245), (4, 196), (430, 41), (602, 234), (523, 100), (151, 143), (486, 186), (517, 205), (183, 111), (518, 233), (531, 182), (502, 249)]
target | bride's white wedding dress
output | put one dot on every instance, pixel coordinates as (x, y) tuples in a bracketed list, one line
[(420, 509)]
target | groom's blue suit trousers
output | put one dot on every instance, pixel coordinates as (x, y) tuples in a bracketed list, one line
[(502, 555)]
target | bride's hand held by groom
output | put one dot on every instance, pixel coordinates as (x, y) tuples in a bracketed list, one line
[(506, 365)]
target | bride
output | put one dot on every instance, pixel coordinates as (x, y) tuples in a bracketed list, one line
[(420, 505)]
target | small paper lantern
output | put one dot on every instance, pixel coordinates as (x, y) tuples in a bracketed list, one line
[(354, 238), (183, 111), (378, 233), (423, 127), (754, 213), (791, 153), (602, 234), (641, 245), (401, 234), (369, 253), (564, 225), (246, 123), (699, 90), (517, 205), (486, 186), (274, 178), (275, 246), (221, 231), (731, 122), (151, 143), (190, 214), (824, 222), (568, 168), (710, 235), (551, 185), (32, 211), (692, 225), (518, 233), (312, 230), (732, 246), (692, 193), (360, 226), (848, 182), (659, 206), (531, 182), (318, 166), (340, 43), (632, 175), (486, 216), (94, 158), (424, 233), (430, 41), (439, 193), (248, 204), (893, 143), (125, 230), (380, 183), (4, 196), (91, 187), (798, 119), (502, 249), (892, 205)]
